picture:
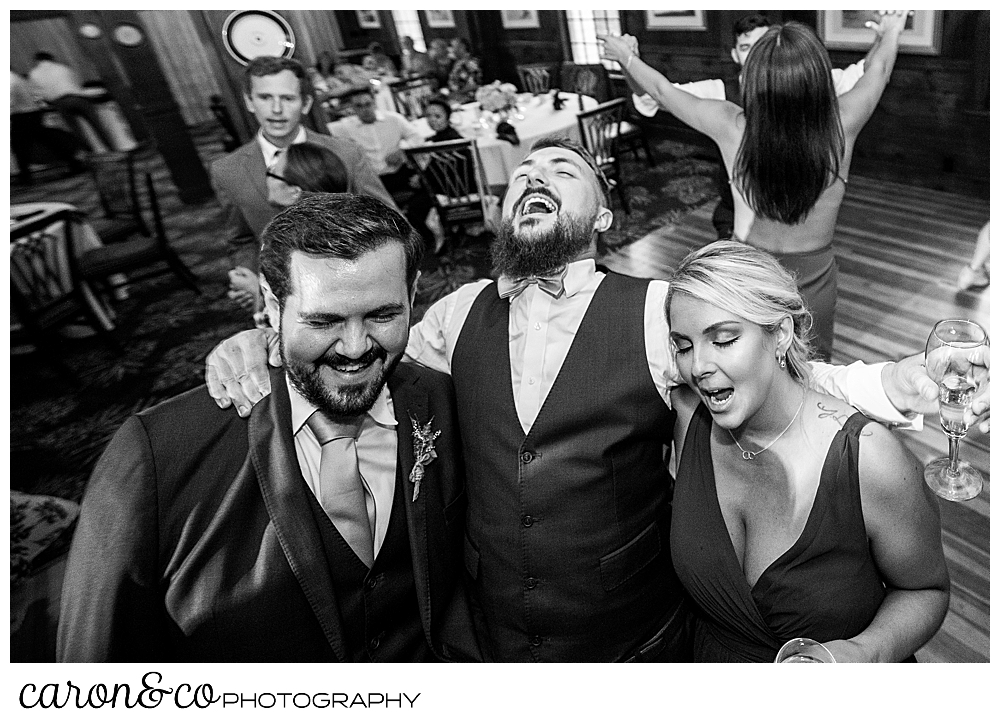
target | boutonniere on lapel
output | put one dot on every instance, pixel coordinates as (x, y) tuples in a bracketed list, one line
[(423, 451)]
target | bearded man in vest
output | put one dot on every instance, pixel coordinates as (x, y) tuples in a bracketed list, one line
[(562, 374)]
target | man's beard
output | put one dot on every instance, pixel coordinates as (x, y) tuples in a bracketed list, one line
[(346, 401), (529, 252)]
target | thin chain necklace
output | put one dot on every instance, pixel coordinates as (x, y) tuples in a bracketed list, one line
[(748, 455)]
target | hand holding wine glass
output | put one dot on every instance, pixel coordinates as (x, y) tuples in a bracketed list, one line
[(955, 359)]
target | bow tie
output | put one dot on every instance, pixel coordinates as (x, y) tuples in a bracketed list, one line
[(551, 284)]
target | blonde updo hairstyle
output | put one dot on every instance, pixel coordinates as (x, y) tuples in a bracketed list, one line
[(752, 284)]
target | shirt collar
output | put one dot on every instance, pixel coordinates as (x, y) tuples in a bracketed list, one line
[(381, 413), (270, 150), (578, 275)]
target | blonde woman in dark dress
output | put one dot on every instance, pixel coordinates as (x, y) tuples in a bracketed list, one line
[(793, 514)]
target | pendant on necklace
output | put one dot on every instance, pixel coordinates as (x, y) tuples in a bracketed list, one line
[(748, 456)]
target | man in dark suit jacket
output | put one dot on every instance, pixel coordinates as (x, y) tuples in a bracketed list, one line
[(278, 93), (204, 536)]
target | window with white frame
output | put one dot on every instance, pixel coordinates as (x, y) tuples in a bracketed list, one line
[(408, 23), (584, 27)]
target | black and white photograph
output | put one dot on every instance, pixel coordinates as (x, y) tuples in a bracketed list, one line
[(499, 336)]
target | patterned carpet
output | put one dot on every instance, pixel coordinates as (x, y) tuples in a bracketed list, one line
[(59, 429)]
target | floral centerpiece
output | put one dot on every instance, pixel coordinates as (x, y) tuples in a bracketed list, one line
[(497, 97)]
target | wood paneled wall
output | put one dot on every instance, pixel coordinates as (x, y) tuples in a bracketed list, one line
[(931, 128)]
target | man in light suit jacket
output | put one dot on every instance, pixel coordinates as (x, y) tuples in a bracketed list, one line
[(206, 537), (278, 93)]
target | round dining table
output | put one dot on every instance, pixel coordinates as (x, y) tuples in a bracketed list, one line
[(534, 118)]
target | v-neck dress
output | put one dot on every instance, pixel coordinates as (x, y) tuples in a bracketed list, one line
[(825, 586)]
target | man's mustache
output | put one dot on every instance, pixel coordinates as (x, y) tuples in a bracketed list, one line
[(537, 191), (376, 353)]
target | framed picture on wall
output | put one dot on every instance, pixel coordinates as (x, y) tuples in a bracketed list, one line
[(439, 18), (515, 19), (845, 30), (676, 20), (368, 18)]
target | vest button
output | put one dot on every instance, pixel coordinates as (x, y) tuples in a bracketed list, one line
[(530, 583), (372, 583), (375, 643), (536, 640), (527, 520), (526, 457)]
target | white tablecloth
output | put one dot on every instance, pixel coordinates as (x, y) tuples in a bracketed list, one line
[(500, 158)]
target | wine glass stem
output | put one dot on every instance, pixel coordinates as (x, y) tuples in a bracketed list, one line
[(953, 442)]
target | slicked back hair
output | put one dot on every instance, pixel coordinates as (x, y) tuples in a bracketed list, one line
[(338, 225), (270, 65), (793, 142), (750, 283)]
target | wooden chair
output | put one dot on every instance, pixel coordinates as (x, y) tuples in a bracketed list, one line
[(115, 177), (586, 79), (126, 257), (47, 289), (599, 132), (410, 96), (452, 174), (536, 78), (593, 80)]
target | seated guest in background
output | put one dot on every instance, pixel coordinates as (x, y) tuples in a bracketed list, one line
[(278, 93), (378, 63), (26, 129), (437, 112), (305, 533), (59, 86), (826, 530), (746, 31), (465, 75), (415, 64), (788, 150), (575, 567), (340, 75), (441, 57), (304, 168), (382, 135)]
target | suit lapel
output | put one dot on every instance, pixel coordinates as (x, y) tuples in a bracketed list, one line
[(410, 401), (272, 451), (254, 169)]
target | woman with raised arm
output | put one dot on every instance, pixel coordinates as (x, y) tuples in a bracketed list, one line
[(788, 149), (794, 515)]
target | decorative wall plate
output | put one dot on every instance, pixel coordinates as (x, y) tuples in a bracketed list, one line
[(250, 33)]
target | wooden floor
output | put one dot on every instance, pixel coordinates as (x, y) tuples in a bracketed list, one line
[(899, 250)]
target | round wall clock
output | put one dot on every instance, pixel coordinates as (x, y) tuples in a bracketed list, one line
[(249, 33), (128, 35)]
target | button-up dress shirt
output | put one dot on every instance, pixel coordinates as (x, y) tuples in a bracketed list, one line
[(388, 133), (376, 456), (542, 328), (271, 151)]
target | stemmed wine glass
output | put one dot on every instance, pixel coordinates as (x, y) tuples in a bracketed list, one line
[(954, 359)]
